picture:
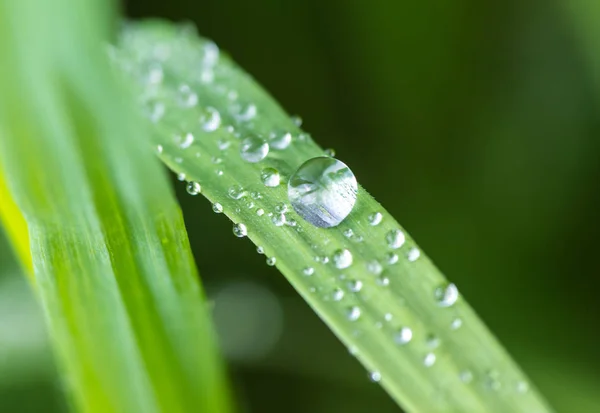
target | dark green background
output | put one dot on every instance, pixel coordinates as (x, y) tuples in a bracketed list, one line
[(476, 123)]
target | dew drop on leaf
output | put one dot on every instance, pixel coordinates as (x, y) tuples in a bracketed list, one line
[(240, 230), (323, 191), (211, 120), (446, 295), (236, 192), (403, 336), (353, 313), (187, 141), (342, 259), (355, 285), (375, 218), (217, 208), (413, 254), (395, 238), (375, 376), (254, 149), (280, 140), (181, 176), (429, 359), (271, 261), (337, 294), (308, 271), (270, 177), (193, 188)]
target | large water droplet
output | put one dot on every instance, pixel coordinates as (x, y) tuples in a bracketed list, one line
[(240, 230), (342, 259), (254, 149), (395, 238), (446, 295), (270, 177), (193, 188), (323, 191)]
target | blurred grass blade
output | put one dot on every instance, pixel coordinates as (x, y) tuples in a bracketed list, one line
[(16, 227), (110, 253), (388, 304)]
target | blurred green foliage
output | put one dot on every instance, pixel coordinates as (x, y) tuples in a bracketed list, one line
[(476, 124)]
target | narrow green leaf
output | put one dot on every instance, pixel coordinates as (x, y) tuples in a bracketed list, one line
[(390, 305), (110, 253)]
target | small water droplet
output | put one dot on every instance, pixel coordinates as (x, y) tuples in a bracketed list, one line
[(216, 160), (403, 336), (375, 218), (353, 313), (456, 324), (395, 238), (244, 113), (413, 254), (260, 212), (270, 177), (522, 387), (186, 97), (281, 208), (429, 359), (217, 208), (211, 54), (348, 233), (260, 250), (297, 120), (271, 261), (492, 380), (388, 316), (223, 144), (323, 191), (374, 267), (236, 192), (342, 259), (337, 294), (211, 120), (375, 376), (193, 188), (181, 176), (249, 204), (254, 149), (383, 281), (391, 258), (308, 271), (465, 376), (159, 149), (278, 220), (219, 172), (240, 230), (446, 295), (154, 74), (280, 140), (355, 285), (329, 152), (432, 341)]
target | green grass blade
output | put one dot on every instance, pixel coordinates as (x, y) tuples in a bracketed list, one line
[(451, 364), (111, 258)]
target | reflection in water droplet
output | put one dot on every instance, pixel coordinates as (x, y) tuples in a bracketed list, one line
[(353, 313), (395, 238), (193, 188), (342, 259), (254, 149), (240, 230), (375, 218), (403, 336), (270, 177), (323, 191), (446, 295), (217, 208), (429, 359)]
